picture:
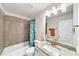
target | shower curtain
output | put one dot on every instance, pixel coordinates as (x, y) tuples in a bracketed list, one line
[(32, 33)]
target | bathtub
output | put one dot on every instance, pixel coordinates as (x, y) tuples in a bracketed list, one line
[(15, 50)]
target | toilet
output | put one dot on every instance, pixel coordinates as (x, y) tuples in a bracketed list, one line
[(30, 51)]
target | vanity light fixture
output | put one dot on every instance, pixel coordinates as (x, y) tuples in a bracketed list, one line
[(54, 10), (58, 8), (63, 7), (48, 13)]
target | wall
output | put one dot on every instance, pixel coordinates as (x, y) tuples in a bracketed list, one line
[(40, 26), (54, 23), (75, 23), (1, 31), (16, 30)]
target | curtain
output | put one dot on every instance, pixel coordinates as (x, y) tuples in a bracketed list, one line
[(32, 33)]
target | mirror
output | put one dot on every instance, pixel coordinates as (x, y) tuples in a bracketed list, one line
[(60, 27)]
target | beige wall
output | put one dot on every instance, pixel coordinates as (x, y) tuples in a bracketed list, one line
[(16, 30), (1, 31)]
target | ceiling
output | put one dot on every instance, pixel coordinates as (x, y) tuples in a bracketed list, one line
[(25, 9)]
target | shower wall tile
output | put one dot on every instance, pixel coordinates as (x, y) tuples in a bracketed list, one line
[(15, 31), (1, 31)]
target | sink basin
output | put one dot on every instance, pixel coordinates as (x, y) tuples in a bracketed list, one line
[(47, 48), (51, 50)]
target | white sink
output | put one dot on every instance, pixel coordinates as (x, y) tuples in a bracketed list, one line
[(51, 50)]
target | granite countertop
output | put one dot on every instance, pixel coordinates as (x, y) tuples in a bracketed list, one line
[(55, 50), (49, 50), (66, 52)]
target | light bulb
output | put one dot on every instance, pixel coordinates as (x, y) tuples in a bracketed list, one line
[(54, 10), (63, 7), (48, 13)]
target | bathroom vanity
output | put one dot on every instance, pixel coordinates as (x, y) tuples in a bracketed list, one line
[(47, 49)]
